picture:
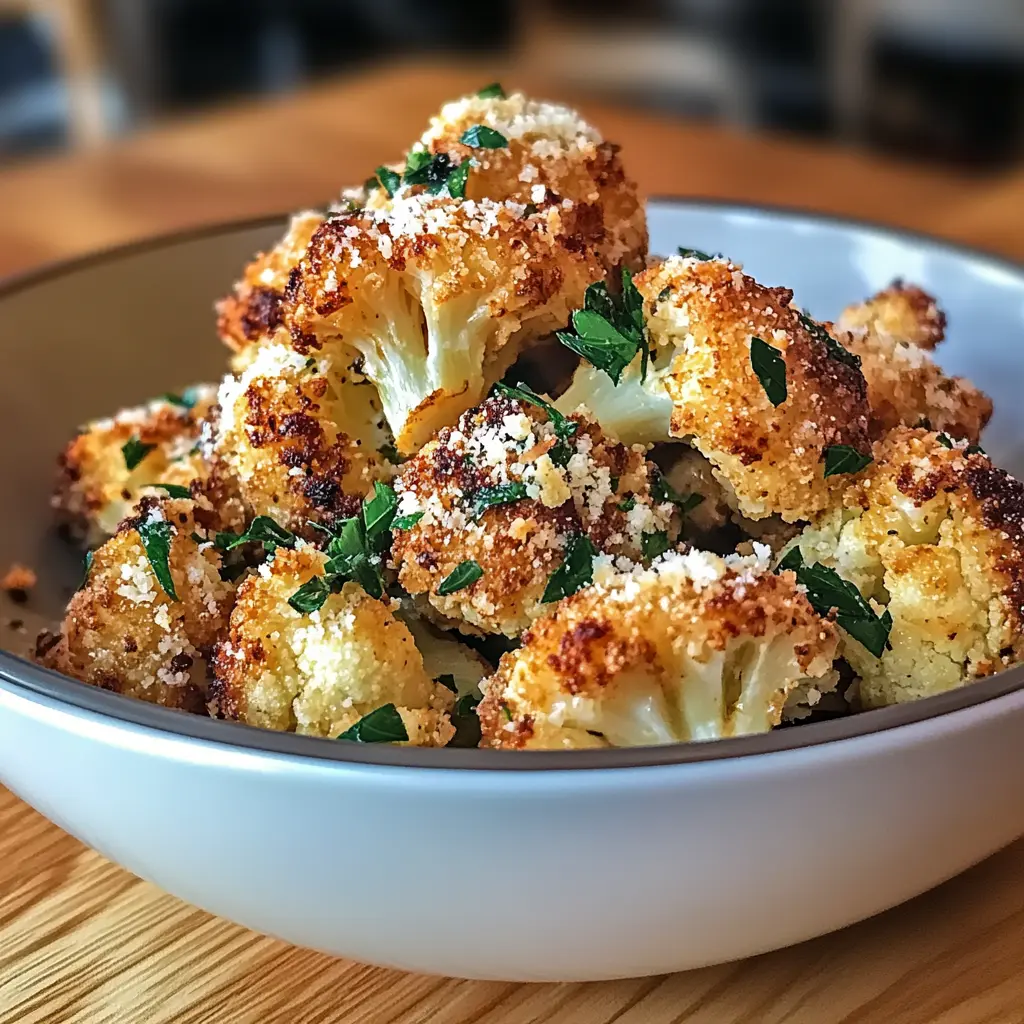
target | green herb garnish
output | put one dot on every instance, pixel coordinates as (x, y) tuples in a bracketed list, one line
[(407, 522), (627, 504), (389, 180), (438, 173), (841, 458), (378, 515), (575, 572), (465, 574), (383, 725), (663, 491), (792, 559), (457, 180), (310, 596), (654, 544), (467, 725), (479, 136), (770, 367), (351, 557), (180, 400), (500, 494), (945, 440), (564, 427), (835, 350), (389, 451), (156, 540), (492, 91), (416, 161), (694, 254), (173, 490), (974, 449), (134, 451), (86, 568), (262, 530), (447, 680), (609, 331)]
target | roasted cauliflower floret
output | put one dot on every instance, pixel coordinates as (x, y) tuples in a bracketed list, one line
[(759, 389), (503, 500), (300, 436), (891, 334), (694, 648), (105, 469), (536, 153), (320, 672), (150, 611), (438, 297), (252, 312), (932, 534)]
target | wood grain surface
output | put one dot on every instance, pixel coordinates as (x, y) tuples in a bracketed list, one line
[(83, 941)]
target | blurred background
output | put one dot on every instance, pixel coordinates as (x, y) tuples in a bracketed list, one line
[(931, 80)]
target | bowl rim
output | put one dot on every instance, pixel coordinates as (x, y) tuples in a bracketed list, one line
[(41, 685)]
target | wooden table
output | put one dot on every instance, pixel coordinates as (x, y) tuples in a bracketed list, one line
[(81, 940)]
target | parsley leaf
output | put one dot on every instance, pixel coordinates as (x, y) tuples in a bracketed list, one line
[(835, 350), (609, 331), (179, 400), (770, 367), (351, 558), (390, 452), (383, 725), (826, 590), (262, 530), (134, 451), (500, 494), (694, 254), (492, 91), (447, 680), (564, 427), (407, 522), (792, 559), (974, 449), (465, 574), (662, 491), (627, 504), (457, 180), (575, 572), (479, 136), (389, 180), (841, 458), (945, 440), (378, 515), (173, 490), (438, 173), (310, 596), (86, 568), (156, 540), (467, 725), (416, 161), (654, 544)]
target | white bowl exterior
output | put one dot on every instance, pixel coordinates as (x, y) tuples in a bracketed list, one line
[(536, 876)]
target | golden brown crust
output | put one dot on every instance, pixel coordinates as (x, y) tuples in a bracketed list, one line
[(124, 633), (706, 312), (253, 310), (891, 334), (518, 544), (636, 636)]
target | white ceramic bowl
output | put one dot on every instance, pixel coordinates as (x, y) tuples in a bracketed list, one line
[(542, 866)]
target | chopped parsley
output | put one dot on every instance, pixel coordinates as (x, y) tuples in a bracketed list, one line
[(378, 515), (467, 725), (609, 331), (352, 557), (310, 596), (770, 367), (974, 449), (457, 180), (826, 590), (389, 180), (944, 439), (664, 293), (694, 254), (447, 680), (156, 540), (947, 442), (407, 522), (437, 173), (565, 428), (841, 458), (575, 572), (792, 559), (181, 401), (173, 490), (382, 725), (627, 504), (654, 544), (262, 530), (835, 350), (415, 161), (500, 494), (86, 568), (663, 491), (134, 451), (479, 136), (390, 452), (492, 91), (465, 574)]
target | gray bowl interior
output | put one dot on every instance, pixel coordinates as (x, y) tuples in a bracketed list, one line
[(84, 339)]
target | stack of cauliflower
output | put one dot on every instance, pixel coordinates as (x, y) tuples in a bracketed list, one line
[(398, 520)]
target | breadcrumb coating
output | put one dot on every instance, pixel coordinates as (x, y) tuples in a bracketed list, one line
[(702, 316), (300, 437), (603, 490), (892, 334), (252, 312), (124, 633), (438, 296), (319, 672), (95, 487), (933, 533), (696, 647), (551, 157)]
